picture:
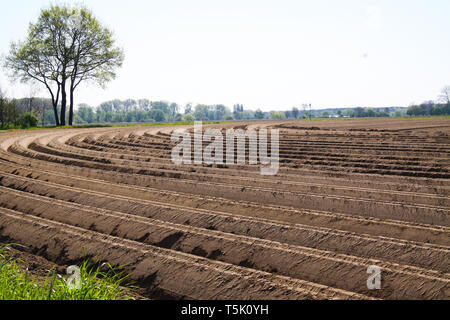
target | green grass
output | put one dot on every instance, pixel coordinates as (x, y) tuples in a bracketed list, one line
[(16, 283), (374, 118), (164, 124), (14, 128), (79, 126)]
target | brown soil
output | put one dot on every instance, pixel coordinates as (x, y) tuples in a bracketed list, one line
[(349, 194)]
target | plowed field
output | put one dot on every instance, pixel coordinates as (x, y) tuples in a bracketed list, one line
[(348, 195)]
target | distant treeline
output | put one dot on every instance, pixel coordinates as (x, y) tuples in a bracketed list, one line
[(25, 112), (429, 109), (132, 111), (127, 111), (144, 110)]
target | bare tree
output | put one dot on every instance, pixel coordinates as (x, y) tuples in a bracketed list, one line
[(32, 92), (295, 112), (2, 103), (445, 95)]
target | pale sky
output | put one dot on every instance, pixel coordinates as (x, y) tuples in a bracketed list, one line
[(268, 54)]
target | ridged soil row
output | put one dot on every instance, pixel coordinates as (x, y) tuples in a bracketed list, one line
[(88, 182), (292, 170), (222, 176), (174, 273), (390, 210), (431, 256), (342, 271)]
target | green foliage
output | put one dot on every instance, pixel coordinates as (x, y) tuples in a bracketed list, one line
[(247, 115), (276, 115), (178, 117), (67, 45), (28, 120), (9, 113), (295, 112), (201, 112), (86, 113), (188, 118), (349, 113), (369, 113), (325, 114), (259, 114), (429, 109), (398, 113), (158, 115), (98, 282), (143, 110), (364, 113)]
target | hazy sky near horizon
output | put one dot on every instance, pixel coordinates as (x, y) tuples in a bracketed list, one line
[(268, 54)]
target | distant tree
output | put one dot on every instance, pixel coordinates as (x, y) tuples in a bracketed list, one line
[(178, 117), (144, 104), (445, 95), (325, 114), (160, 105), (238, 109), (416, 111), (9, 111), (28, 120), (129, 104), (398, 113), (359, 112), (201, 112), (173, 110), (86, 113), (238, 115), (3, 102), (369, 113), (276, 115), (158, 116), (428, 106), (429, 109), (384, 113), (295, 112), (220, 111), (307, 112), (78, 120), (259, 114), (188, 118), (349, 113), (188, 108), (247, 115)]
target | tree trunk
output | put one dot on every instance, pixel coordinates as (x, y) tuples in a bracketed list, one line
[(63, 103), (71, 105), (55, 111), (54, 101), (1, 113)]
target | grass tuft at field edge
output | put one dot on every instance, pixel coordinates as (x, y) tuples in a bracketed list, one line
[(17, 283)]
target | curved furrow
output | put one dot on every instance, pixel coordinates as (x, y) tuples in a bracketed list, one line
[(303, 263), (349, 195), (390, 228), (173, 181)]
